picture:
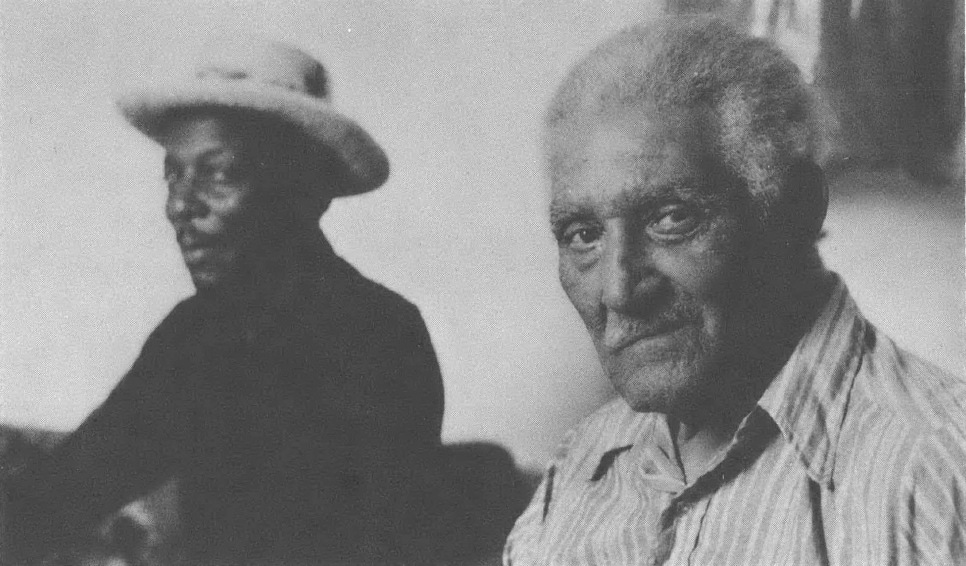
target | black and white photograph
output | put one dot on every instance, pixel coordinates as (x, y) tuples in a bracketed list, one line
[(482, 283)]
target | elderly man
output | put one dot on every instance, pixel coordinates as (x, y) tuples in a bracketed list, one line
[(761, 418), (294, 399)]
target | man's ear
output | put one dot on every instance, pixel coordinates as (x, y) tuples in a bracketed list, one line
[(805, 201)]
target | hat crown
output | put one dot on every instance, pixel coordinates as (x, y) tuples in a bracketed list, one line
[(270, 63), (277, 81)]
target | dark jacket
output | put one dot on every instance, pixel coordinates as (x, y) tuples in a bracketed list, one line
[(297, 431)]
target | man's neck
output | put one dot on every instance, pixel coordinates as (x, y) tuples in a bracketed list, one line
[(273, 277), (697, 447)]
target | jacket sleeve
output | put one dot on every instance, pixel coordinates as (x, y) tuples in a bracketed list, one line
[(420, 415), (124, 448), (403, 467)]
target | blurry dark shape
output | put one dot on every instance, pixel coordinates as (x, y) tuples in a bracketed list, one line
[(147, 531), (19, 445), (142, 533), (480, 497), (476, 493), (128, 536), (293, 399), (888, 72)]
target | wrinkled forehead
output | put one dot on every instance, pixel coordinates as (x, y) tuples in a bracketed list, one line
[(608, 160)]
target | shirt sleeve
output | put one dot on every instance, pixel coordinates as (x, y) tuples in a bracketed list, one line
[(123, 449), (930, 520)]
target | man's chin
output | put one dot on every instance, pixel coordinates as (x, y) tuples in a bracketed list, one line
[(662, 373), (207, 281), (666, 386), (665, 402)]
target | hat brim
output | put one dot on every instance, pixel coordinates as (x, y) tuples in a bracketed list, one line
[(364, 162)]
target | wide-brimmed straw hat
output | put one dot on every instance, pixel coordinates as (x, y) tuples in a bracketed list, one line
[(269, 78)]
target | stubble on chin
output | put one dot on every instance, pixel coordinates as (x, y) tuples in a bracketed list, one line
[(667, 380)]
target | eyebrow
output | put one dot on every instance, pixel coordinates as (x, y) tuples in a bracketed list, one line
[(564, 213)]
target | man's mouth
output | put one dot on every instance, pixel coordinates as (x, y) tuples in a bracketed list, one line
[(194, 246), (622, 332), (189, 240), (195, 254)]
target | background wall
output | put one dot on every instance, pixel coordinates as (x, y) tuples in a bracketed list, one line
[(454, 91)]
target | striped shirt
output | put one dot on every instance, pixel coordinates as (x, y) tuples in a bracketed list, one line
[(854, 455)]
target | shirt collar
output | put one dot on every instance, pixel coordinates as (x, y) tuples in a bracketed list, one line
[(809, 397), (624, 429)]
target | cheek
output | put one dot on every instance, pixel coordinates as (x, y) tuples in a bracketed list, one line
[(705, 269), (707, 284), (702, 276), (237, 215), (582, 287), (708, 281)]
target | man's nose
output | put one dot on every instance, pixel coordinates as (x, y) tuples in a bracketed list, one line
[(627, 275), (183, 201)]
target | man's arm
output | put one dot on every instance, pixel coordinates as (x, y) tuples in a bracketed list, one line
[(419, 414), (127, 446)]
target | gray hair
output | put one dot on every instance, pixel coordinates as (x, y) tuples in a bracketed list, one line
[(759, 105)]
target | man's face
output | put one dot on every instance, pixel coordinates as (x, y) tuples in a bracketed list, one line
[(650, 248), (212, 198)]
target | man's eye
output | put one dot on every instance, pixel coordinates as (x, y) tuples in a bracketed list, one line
[(581, 237), (223, 173), (675, 220), (212, 175), (221, 176)]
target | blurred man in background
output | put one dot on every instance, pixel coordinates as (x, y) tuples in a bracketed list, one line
[(295, 401)]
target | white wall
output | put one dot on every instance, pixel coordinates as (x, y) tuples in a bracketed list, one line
[(453, 89)]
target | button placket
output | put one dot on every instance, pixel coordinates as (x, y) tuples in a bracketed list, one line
[(667, 532)]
